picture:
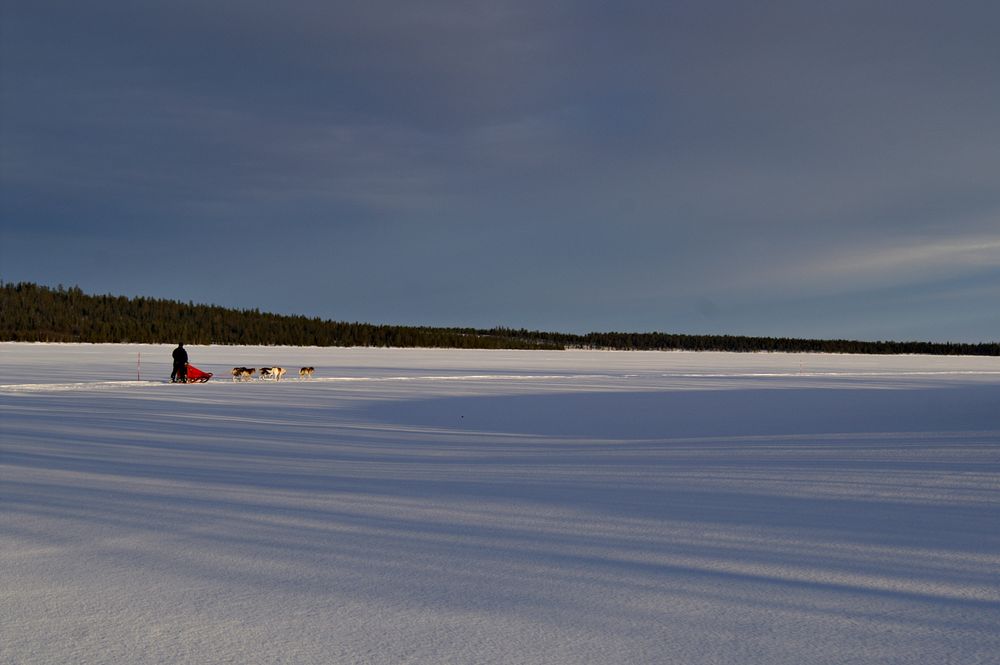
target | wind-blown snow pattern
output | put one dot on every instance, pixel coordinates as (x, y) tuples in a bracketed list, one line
[(439, 506)]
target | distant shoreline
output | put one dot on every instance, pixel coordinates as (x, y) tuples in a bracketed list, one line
[(34, 313), (448, 349)]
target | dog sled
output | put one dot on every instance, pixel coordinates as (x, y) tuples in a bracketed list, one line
[(195, 375)]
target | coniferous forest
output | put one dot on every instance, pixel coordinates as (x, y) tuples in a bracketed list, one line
[(35, 313)]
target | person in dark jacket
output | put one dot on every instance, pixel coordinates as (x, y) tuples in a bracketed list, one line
[(179, 375)]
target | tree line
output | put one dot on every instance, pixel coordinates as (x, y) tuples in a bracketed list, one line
[(35, 313)]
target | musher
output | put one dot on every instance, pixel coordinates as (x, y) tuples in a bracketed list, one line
[(179, 375)]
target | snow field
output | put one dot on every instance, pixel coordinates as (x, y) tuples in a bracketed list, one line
[(429, 506)]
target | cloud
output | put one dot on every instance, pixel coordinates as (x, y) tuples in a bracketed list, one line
[(960, 255), (880, 264), (600, 162)]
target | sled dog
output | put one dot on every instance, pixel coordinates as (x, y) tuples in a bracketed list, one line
[(306, 372), (243, 373), (272, 373)]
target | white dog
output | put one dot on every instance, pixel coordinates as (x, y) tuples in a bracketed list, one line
[(272, 373)]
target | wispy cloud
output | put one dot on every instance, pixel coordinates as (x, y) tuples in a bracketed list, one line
[(879, 264), (959, 255)]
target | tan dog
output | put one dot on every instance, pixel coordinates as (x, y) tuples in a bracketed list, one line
[(243, 373), (306, 372)]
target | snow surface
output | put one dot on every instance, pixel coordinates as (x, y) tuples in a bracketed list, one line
[(440, 506)]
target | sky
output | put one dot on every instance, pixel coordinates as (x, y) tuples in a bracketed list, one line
[(808, 169)]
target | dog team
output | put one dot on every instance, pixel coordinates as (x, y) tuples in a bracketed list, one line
[(268, 373)]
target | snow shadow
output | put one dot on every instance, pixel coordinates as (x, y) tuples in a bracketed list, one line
[(703, 413), (849, 522)]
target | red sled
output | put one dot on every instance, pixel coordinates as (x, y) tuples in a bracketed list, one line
[(195, 375)]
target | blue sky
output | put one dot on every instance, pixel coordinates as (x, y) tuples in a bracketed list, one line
[(768, 168)]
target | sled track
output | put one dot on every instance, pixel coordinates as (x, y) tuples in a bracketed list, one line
[(21, 388), (113, 385)]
